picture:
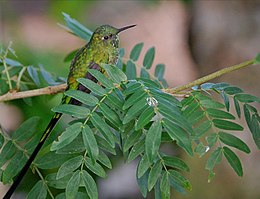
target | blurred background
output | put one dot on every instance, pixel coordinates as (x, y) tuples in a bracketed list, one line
[(193, 38)]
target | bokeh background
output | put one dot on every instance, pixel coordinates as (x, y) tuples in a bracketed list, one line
[(193, 38)]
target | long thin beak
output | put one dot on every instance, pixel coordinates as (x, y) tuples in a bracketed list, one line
[(124, 28)]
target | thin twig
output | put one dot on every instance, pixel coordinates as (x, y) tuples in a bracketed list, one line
[(210, 77), (31, 93), (174, 91)]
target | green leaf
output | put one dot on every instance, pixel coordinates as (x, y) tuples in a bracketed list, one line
[(94, 87), (157, 190), (144, 118), (130, 70), (73, 185), (137, 149), (132, 88), (47, 76), (104, 128), (26, 130), (202, 128), (103, 144), (77, 28), (76, 146), (233, 160), (58, 184), (193, 107), (83, 97), (7, 152), (153, 140), (233, 141), (134, 98), (80, 195), (237, 107), (195, 117), (110, 115), (227, 125), (103, 159), (69, 166), (114, 102), (148, 58), (231, 90), (154, 174), (96, 168), (256, 130), (201, 149), (175, 162), (131, 140), (214, 158), (67, 137), (257, 59), (101, 78), (135, 52), (215, 113), (247, 98), (39, 191), (226, 100), (159, 71), (73, 110), (144, 73), (165, 186), (114, 73), (143, 166), (52, 160), (1, 139), (33, 74), (143, 183), (14, 166), (90, 185), (178, 134), (135, 110), (212, 139), (90, 143), (180, 179), (211, 104)]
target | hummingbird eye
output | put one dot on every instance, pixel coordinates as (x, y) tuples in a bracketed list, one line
[(105, 37)]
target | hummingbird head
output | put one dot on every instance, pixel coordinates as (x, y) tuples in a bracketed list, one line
[(107, 36)]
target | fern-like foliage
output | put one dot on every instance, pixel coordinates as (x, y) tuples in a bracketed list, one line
[(131, 113)]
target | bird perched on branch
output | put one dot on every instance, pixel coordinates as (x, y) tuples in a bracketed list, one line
[(103, 47)]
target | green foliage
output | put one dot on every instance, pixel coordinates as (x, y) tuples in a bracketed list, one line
[(131, 112)]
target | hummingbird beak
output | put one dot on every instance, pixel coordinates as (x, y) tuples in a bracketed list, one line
[(124, 28)]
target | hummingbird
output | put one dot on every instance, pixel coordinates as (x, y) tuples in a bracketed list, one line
[(103, 47)]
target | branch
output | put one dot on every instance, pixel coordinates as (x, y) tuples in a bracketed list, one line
[(174, 91), (31, 93), (210, 77)]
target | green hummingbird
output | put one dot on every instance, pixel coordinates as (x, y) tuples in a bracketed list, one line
[(103, 47)]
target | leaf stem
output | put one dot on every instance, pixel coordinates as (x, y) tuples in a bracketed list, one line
[(5, 66)]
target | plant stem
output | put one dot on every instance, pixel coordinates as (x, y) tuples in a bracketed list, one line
[(210, 77), (174, 91)]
